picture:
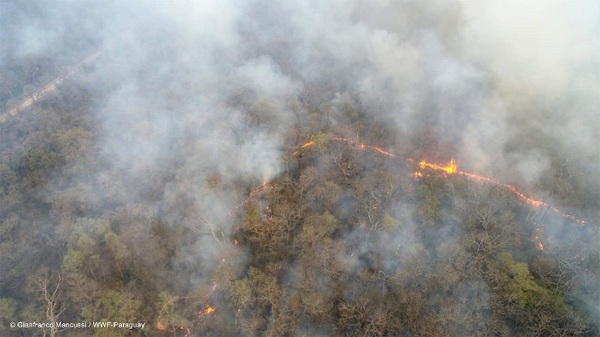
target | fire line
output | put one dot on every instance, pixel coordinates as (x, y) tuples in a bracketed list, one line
[(452, 168)]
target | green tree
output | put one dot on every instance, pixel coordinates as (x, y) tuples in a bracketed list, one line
[(113, 306), (239, 294), (517, 284), (95, 251)]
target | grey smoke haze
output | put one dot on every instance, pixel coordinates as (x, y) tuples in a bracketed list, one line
[(481, 75), (214, 88)]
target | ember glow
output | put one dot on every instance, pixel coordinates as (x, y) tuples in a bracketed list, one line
[(362, 146), (160, 325), (187, 329), (255, 191), (537, 238), (183, 327)]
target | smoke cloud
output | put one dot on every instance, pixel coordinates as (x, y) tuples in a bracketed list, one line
[(194, 103)]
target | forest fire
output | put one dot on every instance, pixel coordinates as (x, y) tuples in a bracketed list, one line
[(362, 146), (424, 166), (537, 237), (183, 327), (304, 146), (209, 310), (450, 169), (308, 144), (187, 329), (255, 191), (424, 169)]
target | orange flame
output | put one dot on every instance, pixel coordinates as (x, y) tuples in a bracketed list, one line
[(307, 144), (255, 191), (209, 310), (450, 169), (537, 238), (160, 325), (304, 146), (363, 146)]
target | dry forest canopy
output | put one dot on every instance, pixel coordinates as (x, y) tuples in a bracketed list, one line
[(255, 168)]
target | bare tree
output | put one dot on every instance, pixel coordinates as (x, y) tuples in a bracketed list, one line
[(50, 287)]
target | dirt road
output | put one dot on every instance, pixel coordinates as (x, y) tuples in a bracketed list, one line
[(47, 89)]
